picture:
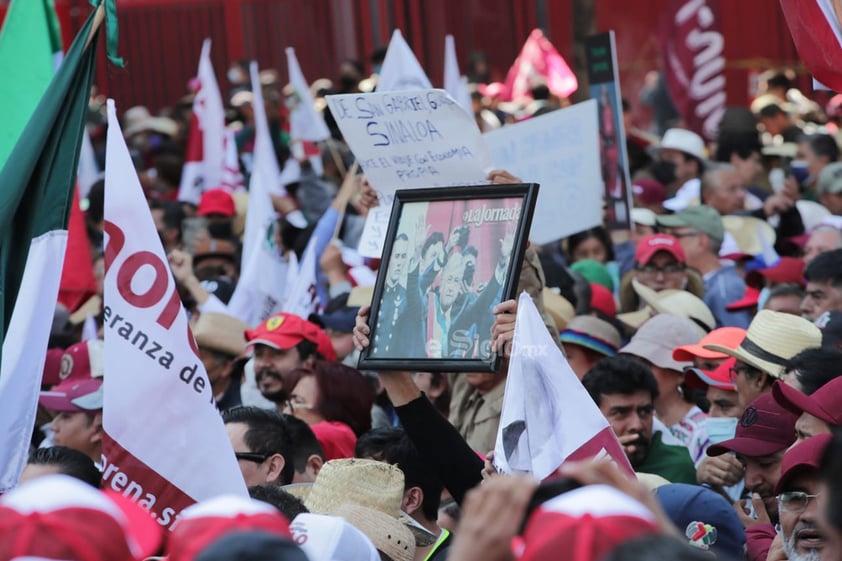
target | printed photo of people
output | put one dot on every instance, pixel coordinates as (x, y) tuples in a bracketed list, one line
[(445, 273)]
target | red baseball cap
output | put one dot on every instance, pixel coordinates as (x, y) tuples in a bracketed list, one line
[(648, 246), (602, 300), (80, 373), (284, 331), (730, 337), (59, 517), (52, 367), (764, 428), (216, 201), (786, 270), (337, 439), (720, 378), (825, 403), (203, 523), (750, 298), (649, 191), (803, 456)]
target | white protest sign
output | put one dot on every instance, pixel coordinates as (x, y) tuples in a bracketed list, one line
[(408, 140), (164, 443), (560, 151)]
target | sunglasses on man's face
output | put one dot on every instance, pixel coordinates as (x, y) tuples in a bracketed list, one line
[(252, 457)]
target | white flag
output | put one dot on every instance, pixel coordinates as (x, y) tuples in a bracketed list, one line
[(548, 416), (232, 176), (89, 171), (301, 298), (306, 125), (204, 173), (260, 290), (164, 444), (401, 70), (454, 83)]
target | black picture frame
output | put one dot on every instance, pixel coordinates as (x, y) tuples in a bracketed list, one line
[(451, 255)]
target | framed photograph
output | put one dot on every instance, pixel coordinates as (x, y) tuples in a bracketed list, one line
[(451, 255)]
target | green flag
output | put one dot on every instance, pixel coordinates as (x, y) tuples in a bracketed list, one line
[(30, 51), (36, 190)]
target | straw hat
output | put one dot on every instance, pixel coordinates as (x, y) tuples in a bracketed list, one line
[(751, 235), (559, 308), (675, 302), (386, 533), (221, 332), (772, 339), (367, 483)]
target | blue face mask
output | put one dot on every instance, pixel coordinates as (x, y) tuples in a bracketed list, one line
[(720, 429), (762, 298)]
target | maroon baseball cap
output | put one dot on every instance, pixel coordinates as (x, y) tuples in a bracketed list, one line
[(284, 331), (653, 243), (649, 191), (52, 367), (825, 403), (803, 456), (81, 380), (764, 428), (786, 270)]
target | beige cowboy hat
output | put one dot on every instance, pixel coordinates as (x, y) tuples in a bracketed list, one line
[(221, 332), (387, 534), (367, 483), (675, 302), (772, 339)]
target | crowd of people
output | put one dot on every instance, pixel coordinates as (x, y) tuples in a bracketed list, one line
[(708, 335)]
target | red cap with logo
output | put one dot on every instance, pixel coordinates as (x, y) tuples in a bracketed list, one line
[(216, 201), (653, 243), (284, 331), (81, 373), (802, 457), (764, 428), (825, 403)]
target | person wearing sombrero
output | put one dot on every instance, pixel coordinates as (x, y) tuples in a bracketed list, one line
[(771, 340)]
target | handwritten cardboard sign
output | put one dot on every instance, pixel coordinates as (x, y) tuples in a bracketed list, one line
[(560, 151)]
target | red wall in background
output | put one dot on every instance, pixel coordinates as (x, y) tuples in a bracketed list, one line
[(161, 39)]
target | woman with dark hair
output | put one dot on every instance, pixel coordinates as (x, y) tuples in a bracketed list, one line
[(594, 243), (330, 392)]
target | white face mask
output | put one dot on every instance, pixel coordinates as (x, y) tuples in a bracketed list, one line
[(720, 429)]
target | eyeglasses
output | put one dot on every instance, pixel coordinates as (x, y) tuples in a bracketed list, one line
[(689, 234), (652, 271), (252, 457), (795, 501)]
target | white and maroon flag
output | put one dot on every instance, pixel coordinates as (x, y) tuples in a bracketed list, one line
[(816, 27), (548, 416), (164, 443), (401, 70), (205, 159), (232, 174), (301, 297)]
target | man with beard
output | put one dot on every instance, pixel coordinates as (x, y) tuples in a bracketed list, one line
[(625, 389), (764, 433), (798, 491), (281, 344)]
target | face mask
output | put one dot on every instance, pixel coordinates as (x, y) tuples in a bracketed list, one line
[(799, 171), (220, 230), (762, 298), (720, 429)]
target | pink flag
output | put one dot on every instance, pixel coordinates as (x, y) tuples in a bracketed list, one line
[(537, 63), (816, 30), (203, 166), (694, 63), (548, 416), (164, 444)]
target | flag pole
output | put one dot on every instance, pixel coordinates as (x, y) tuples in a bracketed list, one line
[(99, 16)]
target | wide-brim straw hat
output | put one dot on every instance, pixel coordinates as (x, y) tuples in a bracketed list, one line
[(752, 235), (387, 534), (772, 339), (559, 308), (675, 302), (221, 333), (368, 483)]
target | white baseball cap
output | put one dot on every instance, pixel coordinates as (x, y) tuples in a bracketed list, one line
[(331, 538)]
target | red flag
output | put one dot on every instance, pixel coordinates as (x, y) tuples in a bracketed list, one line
[(694, 63), (78, 282), (816, 30), (537, 63)]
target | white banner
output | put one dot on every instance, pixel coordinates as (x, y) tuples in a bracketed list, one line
[(560, 151), (401, 70), (164, 444)]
